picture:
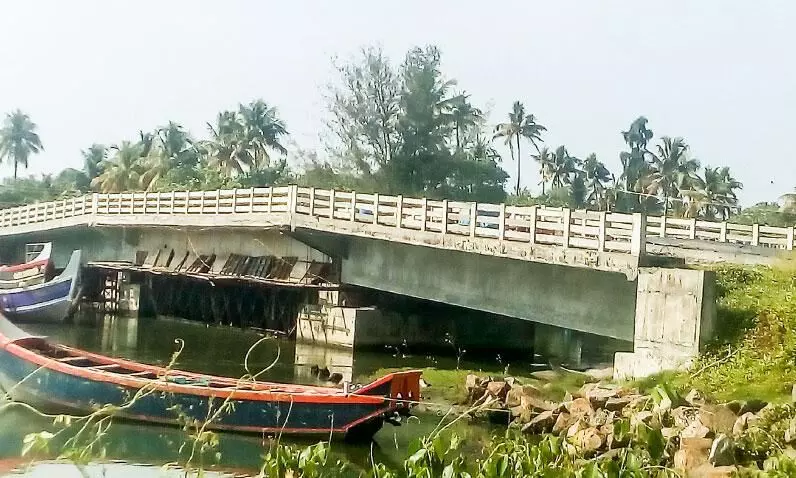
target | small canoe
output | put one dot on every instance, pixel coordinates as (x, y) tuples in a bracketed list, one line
[(30, 273), (59, 379), (52, 301)]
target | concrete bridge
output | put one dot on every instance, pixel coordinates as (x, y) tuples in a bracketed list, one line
[(580, 270)]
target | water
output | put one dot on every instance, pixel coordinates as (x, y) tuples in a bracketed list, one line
[(221, 351)]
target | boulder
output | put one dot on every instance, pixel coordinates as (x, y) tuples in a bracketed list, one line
[(722, 451), (709, 471), (563, 422), (683, 416), (617, 404), (718, 418), (498, 390), (695, 398), (695, 430), (472, 381), (542, 423), (743, 423), (475, 388), (588, 440), (576, 427), (579, 407), (752, 406), (687, 459)]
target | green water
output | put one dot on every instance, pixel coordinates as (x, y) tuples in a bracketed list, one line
[(221, 350)]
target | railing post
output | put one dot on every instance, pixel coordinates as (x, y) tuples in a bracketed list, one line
[(94, 203), (473, 218), (789, 239), (532, 225), (331, 203), (601, 232), (502, 223), (755, 234), (638, 240), (444, 227), (662, 232), (692, 232), (399, 211), (566, 220), (375, 208), (723, 232), (293, 199), (423, 213), (187, 201), (234, 200), (353, 217), (171, 203), (251, 198), (312, 201)]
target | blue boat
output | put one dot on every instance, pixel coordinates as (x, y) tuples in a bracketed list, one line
[(59, 379), (52, 301)]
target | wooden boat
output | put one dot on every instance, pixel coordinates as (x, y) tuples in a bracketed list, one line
[(35, 271), (51, 301), (58, 379)]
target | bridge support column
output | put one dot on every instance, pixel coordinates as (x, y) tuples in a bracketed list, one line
[(675, 315)]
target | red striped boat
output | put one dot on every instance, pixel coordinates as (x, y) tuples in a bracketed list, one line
[(30, 273), (58, 379)]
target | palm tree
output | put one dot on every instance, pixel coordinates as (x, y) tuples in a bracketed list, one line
[(545, 159), (672, 171), (18, 139), (596, 175), (463, 115), (172, 150), (715, 194), (120, 173), (227, 148), (563, 167), (92, 160), (519, 126), (262, 130), (634, 164)]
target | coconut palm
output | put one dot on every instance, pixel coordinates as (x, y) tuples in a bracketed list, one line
[(563, 167), (171, 151), (18, 139), (596, 175), (121, 173), (92, 159), (634, 164), (671, 171), (714, 195), (545, 160), (463, 115), (262, 130), (227, 149), (519, 126)]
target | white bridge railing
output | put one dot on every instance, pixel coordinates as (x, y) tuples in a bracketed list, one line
[(580, 229)]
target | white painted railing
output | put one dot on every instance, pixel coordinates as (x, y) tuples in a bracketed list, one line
[(579, 229)]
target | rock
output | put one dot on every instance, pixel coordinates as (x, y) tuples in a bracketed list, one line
[(696, 444), (722, 452), (516, 411), (473, 385), (669, 432), (567, 397), (580, 407), (511, 381), (563, 422), (498, 390), (743, 423), (636, 405), (683, 416), (606, 373), (616, 404), (752, 406), (643, 416), (541, 423), (695, 430), (695, 398), (576, 427), (687, 459), (585, 390), (718, 418), (513, 397), (601, 417), (588, 440)]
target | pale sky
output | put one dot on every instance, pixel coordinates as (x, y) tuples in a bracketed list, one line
[(721, 73)]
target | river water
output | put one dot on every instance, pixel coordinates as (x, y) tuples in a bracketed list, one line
[(221, 351)]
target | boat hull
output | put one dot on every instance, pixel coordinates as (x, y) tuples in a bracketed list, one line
[(52, 391)]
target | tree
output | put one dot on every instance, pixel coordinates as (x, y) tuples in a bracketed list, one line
[(18, 139), (671, 171), (596, 175), (545, 160), (93, 157), (262, 130), (519, 126), (563, 167), (463, 115), (120, 173), (714, 196), (172, 157), (634, 165), (227, 149)]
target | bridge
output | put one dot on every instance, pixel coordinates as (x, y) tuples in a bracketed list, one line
[(581, 270)]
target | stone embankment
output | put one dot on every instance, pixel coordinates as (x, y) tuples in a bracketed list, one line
[(699, 438)]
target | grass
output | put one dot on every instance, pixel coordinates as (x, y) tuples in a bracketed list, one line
[(754, 352), (448, 386)]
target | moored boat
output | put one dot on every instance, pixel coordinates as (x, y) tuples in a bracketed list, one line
[(51, 301), (59, 379), (32, 272)]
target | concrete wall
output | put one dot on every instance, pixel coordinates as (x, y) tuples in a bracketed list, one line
[(595, 302), (675, 317), (121, 244)]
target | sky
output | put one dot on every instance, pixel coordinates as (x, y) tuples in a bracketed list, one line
[(720, 73)]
